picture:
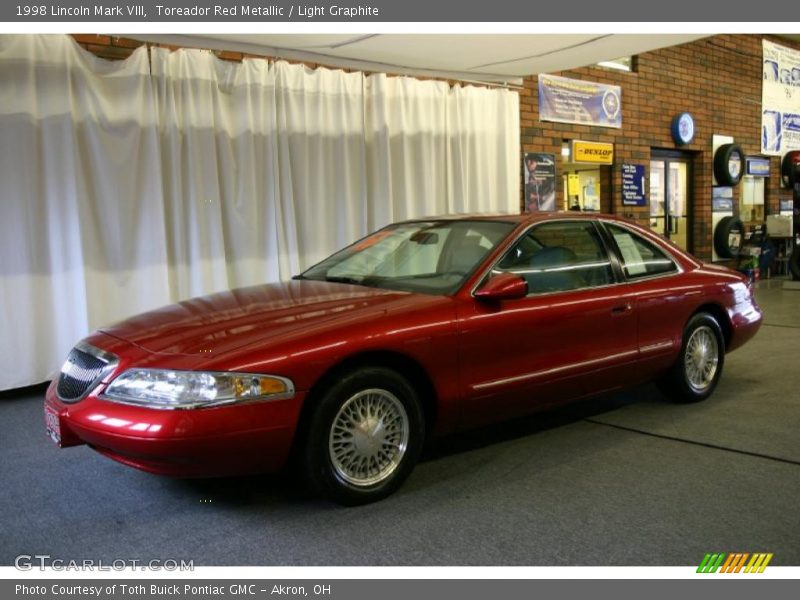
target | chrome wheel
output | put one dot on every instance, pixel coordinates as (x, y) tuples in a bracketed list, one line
[(701, 358), (369, 437)]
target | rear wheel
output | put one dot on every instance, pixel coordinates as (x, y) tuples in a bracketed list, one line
[(696, 372), (364, 437)]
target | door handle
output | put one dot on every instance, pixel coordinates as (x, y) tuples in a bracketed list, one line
[(621, 309)]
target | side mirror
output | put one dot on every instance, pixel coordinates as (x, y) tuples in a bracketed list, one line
[(505, 286)]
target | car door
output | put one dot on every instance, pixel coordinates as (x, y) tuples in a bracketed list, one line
[(664, 305), (572, 335)]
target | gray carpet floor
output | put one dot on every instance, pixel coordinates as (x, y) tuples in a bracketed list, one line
[(627, 479)]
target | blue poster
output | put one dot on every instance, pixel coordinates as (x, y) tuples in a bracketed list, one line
[(565, 100), (633, 185), (721, 199)]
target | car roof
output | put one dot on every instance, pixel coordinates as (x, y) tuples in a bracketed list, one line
[(526, 219), (518, 218)]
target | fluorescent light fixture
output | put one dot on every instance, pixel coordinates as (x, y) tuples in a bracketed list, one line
[(620, 64)]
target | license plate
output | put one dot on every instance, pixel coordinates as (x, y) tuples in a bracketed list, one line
[(53, 424)]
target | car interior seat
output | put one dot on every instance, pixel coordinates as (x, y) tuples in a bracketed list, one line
[(551, 272), (468, 254)]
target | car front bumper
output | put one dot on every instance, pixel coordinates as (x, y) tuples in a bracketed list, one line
[(250, 437)]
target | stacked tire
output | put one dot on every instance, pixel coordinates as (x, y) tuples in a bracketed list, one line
[(728, 228)]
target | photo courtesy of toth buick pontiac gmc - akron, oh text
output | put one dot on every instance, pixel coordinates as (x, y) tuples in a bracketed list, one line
[(421, 329)]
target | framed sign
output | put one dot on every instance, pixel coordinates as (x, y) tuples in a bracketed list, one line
[(757, 166), (722, 199), (601, 153), (633, 188)]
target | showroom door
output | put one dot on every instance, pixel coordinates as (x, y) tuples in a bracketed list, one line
[(671, 196)]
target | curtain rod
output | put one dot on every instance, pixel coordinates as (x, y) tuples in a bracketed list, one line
[(366, 67)]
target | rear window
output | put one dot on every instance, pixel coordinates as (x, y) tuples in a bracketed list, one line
[(640, 257)]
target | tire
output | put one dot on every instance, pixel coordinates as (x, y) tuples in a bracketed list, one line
[(722, 232), (344, 463), (695, 373), (794, 263), (721, 158), (788, 169)]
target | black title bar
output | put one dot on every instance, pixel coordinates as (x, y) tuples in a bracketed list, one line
[(388, 11)]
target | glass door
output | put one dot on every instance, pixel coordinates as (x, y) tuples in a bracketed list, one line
[(670, 198)]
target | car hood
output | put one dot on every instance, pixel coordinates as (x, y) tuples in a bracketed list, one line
[(218, 323)]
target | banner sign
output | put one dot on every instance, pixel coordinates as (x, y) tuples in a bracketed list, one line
[(540, 181), (633, 190), (600, 153), (565, 100), (780, 100)]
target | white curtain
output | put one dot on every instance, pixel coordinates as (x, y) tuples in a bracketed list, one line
[(407, 140), (123, 189), (483, 153), (82, 233), (217, 128)]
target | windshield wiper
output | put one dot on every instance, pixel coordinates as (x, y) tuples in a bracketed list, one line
[(344, 279)]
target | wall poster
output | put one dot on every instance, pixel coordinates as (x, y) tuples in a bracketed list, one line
[(780, 100), (540, 181)]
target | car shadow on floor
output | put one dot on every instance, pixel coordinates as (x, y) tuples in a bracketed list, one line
[(24, 393), (286, 488), (539, 422)]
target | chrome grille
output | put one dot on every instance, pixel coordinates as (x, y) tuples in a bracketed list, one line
[(84, 368)]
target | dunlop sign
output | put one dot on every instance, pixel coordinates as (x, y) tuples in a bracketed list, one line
[(592, 152)]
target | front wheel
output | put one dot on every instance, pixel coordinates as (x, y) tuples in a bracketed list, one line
[(698, 368), (364, 437)]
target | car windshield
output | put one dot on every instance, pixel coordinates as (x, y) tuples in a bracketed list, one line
[(429, 257)]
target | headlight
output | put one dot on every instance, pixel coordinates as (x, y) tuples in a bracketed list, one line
[(159, 388)]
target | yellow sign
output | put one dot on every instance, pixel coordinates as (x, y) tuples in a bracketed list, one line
[(592, 152), (573, 184)]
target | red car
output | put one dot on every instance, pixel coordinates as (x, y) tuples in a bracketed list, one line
[(422, 328)]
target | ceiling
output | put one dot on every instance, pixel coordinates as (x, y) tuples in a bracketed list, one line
[(469, 57)]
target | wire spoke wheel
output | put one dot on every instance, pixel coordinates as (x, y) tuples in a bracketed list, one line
[(368, 437), (701, 358)]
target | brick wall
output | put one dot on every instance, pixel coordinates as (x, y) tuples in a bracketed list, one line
[(717, 79)]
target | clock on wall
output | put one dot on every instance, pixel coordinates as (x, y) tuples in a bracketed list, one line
[(683, 128)]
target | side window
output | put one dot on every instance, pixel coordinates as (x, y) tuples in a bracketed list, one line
[(559, 256), (640, 257)]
